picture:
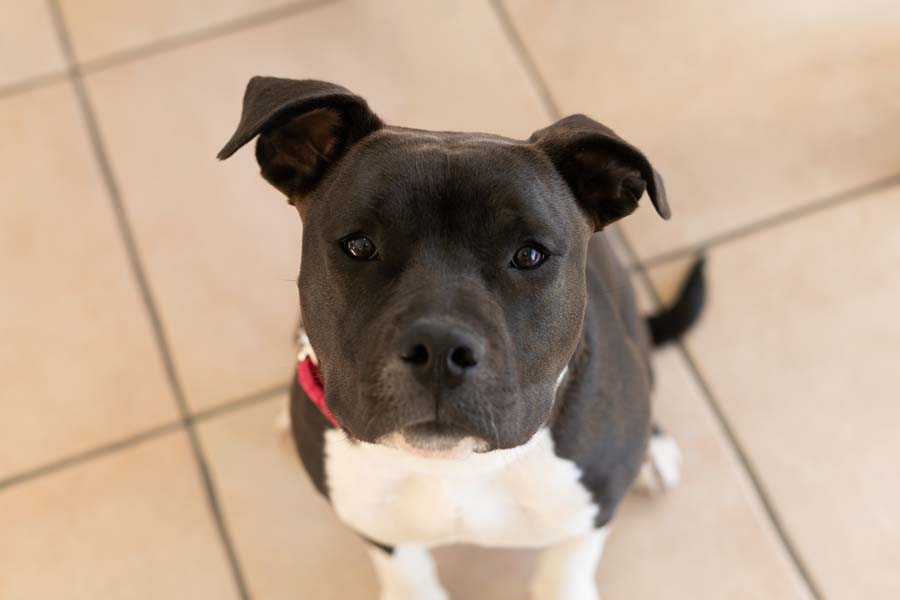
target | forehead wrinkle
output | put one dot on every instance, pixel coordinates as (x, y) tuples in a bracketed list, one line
[(512, 199), (385, 190)]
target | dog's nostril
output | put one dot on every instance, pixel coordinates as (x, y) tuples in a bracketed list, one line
[(463, 357), (417, 355)]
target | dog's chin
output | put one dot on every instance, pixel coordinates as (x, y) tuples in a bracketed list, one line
[(435, 440)]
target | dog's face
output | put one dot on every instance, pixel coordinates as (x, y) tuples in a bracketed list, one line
[(442, 285), (442, 281)]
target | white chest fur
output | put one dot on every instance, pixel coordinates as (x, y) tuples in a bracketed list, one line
[(525, 496)]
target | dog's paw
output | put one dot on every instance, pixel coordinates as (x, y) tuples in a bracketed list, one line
[(407, 573), (421, 594), (661, 470), (585, 589)]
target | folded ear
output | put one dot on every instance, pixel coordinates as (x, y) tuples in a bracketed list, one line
[(606, 174), (304, 127)]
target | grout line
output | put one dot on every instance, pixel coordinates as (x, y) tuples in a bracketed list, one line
[(124, 226), (534, 74), (30, 83), (159, 46), (227, 407), (87, 455), (200, 35), (787, 216), (781, 530), (121, 218), (741, 453), (755, 480), (262, 396)]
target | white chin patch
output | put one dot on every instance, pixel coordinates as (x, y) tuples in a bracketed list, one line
[(438, 447)]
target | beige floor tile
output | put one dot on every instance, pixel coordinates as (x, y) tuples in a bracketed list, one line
[(708, 538), (746, 108), (221, 247), (289, 541), (78, 363), (28, 45), (800, 346), (102, 27), (131, 525), (705, 540)]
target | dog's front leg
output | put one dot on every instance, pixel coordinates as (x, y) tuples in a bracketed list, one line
[(566, 571), (406, 572)]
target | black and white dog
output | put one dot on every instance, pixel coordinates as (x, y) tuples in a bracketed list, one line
[(481, 373)]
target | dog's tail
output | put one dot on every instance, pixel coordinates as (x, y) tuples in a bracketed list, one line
[(673, 321)]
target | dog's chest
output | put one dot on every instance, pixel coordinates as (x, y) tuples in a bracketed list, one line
[(525, 496)]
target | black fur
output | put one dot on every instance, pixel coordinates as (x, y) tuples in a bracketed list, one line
[(673, 322), (308, 426), (606, 174), (304, 127), (603, 422)]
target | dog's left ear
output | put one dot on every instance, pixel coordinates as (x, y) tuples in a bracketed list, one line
[(304, 127), (605, 173)]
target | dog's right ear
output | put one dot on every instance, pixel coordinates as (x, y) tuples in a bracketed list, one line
[(304, 128)]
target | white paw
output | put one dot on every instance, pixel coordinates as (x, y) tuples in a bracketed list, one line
[(661, 470), (584, 589), (421, 594), (408, 573), (419, 588)]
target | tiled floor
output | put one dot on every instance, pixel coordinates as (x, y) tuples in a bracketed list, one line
[(150, 293)]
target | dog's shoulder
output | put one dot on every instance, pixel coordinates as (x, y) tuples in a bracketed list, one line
[(602, 419)]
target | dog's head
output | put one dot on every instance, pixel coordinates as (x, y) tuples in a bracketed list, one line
[(442, 279)]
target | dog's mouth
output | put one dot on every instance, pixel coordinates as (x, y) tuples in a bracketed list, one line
[(435, 439), (434, 435)]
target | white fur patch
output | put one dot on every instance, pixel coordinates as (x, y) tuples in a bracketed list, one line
[(567, 570), (408, 573), (661, 470), (521, 497)]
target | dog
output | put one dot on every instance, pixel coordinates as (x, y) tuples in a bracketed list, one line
[(476, 370)]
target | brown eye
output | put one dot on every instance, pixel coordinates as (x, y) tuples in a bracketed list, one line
[(359, 248), (528, 257)]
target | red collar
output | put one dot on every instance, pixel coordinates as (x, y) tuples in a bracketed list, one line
[(310, 380)]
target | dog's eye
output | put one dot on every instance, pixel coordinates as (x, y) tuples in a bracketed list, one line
[(360, 248), (528, 257)]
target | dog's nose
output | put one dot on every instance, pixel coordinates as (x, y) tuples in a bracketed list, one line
[(441, 353)]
